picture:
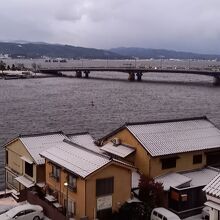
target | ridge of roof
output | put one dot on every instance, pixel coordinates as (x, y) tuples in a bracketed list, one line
[(40, 134), (78, 133), (167, 121)]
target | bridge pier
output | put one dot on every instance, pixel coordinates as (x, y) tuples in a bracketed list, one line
[(78, 74), (217, 80), (86, 72), (139, 76), (131, 76)]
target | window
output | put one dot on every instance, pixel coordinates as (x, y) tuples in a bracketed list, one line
[(71, 207), (29, 211), (55, 172), (6, 157), (11, 181), (212, 158), (104, 186), (21, 213), (29, 169), (155, 213), (72, 182), (168, 163), (197, 158), (160, 216)]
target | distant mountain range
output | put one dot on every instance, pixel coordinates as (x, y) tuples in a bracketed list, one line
[(143, 53), (39, 50), (24, 49)]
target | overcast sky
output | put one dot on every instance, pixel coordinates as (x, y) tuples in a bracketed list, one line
[(187, 25)]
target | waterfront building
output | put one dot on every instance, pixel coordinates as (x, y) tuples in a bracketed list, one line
[(44, 163), (83, 179), (160, 147), (24, 167), (181, 154), (93, 184)]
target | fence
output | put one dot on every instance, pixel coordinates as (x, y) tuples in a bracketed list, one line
[(49, 210)]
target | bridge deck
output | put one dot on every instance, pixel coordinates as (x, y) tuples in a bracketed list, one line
[(131, 70)]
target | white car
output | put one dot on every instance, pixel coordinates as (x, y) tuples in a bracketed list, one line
[(161, 213), (24, 212)]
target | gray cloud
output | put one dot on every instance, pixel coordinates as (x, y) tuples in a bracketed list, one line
[(172, 24)]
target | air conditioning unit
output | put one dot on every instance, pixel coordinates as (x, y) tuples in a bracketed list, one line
[(116, 141)]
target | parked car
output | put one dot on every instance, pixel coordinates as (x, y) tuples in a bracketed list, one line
[(163, 214), (24, 212), (205, 213)]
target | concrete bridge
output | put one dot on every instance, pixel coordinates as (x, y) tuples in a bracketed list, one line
[(134, 73)]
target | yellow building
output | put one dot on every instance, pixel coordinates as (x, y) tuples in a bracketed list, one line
[(24, 167), (93, 184), (161, 147)]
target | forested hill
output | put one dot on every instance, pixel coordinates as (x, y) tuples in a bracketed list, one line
[(39, 50)]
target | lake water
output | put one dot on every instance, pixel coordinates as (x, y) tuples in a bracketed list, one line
[(54, 104)]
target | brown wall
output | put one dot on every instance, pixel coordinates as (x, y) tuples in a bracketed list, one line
[(15, 150), (141, 157), (85, 196), (78, 197), (122, 187), (41, 173), (183, 163), (16, 165)]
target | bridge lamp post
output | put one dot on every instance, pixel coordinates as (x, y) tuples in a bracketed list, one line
[(66, 185), (161, 62), (82, 62), (135, 62), (107, 62)]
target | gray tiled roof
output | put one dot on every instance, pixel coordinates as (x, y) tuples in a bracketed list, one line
[(120, 150), (35, 144), (172, 180), (213, 188), (201, 177), (85, 140), (76, 159), (176, 136)]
